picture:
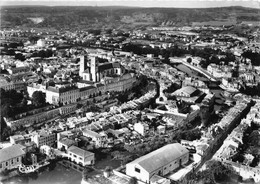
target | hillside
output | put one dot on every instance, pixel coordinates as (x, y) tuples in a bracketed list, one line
[(109, 17)]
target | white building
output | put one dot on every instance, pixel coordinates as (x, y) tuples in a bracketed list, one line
[(99, 139), (81, 156), (44, 138), (35, 87), (83, 65), (47, 150), (141, 128), (159, 162), (11, 157), (41, 43), (63, 95)]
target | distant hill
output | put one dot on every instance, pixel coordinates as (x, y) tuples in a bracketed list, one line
[(117, 16)]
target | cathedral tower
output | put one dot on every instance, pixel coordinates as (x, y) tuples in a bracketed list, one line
[(94, 69), (83, 64)]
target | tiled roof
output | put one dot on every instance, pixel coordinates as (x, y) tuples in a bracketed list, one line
[(90, 133), (61, 90), (67, 141), (11, 152), (107, 66), (80, 152)]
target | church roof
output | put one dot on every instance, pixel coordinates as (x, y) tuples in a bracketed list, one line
[(107, 66)]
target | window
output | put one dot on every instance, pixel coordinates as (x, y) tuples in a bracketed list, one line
[(165, 168), (6, 163), (137, 170), (18, 159)]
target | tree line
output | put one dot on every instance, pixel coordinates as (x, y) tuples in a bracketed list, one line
[(208, 55)]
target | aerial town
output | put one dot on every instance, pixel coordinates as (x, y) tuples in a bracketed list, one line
[(161, 105)]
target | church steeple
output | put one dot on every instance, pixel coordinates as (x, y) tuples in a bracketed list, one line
[(94, 69)]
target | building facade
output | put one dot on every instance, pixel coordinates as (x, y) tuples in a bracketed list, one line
[(159, 162), (80, 156), (18, 85), (44, 138), (11, 157)]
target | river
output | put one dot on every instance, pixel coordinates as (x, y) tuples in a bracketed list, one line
[(54, 174)]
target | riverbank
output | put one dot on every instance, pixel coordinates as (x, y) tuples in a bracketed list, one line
[(54, 173)]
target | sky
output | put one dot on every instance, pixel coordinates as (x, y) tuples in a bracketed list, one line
[(138, 3)]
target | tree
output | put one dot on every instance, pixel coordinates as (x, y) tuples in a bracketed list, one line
[(204, 114), (115, 154), (24, 102), (14, 97), (219, 171), (38, 98), (6, 132), (189, 60), (7, 110)]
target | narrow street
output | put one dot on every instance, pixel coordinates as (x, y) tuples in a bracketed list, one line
[(218, 141)]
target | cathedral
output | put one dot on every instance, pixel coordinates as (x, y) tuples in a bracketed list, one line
[(94, 71)]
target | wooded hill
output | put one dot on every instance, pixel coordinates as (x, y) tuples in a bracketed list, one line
[(114, 16)]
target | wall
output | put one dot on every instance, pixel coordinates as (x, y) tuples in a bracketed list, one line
[(126, 176), (142, 175), (10, 165)]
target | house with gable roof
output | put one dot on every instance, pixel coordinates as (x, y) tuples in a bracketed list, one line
[(159, 162)]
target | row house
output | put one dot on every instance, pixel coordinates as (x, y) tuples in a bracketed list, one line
[(33, 119)]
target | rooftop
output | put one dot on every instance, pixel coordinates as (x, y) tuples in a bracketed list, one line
[(61, 90), (160, 157), (187, 90), (106, 66), (80, 152), (90, 133), (11, 152), (67, 141)]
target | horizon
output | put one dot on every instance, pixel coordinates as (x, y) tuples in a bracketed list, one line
[(138, 4)]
